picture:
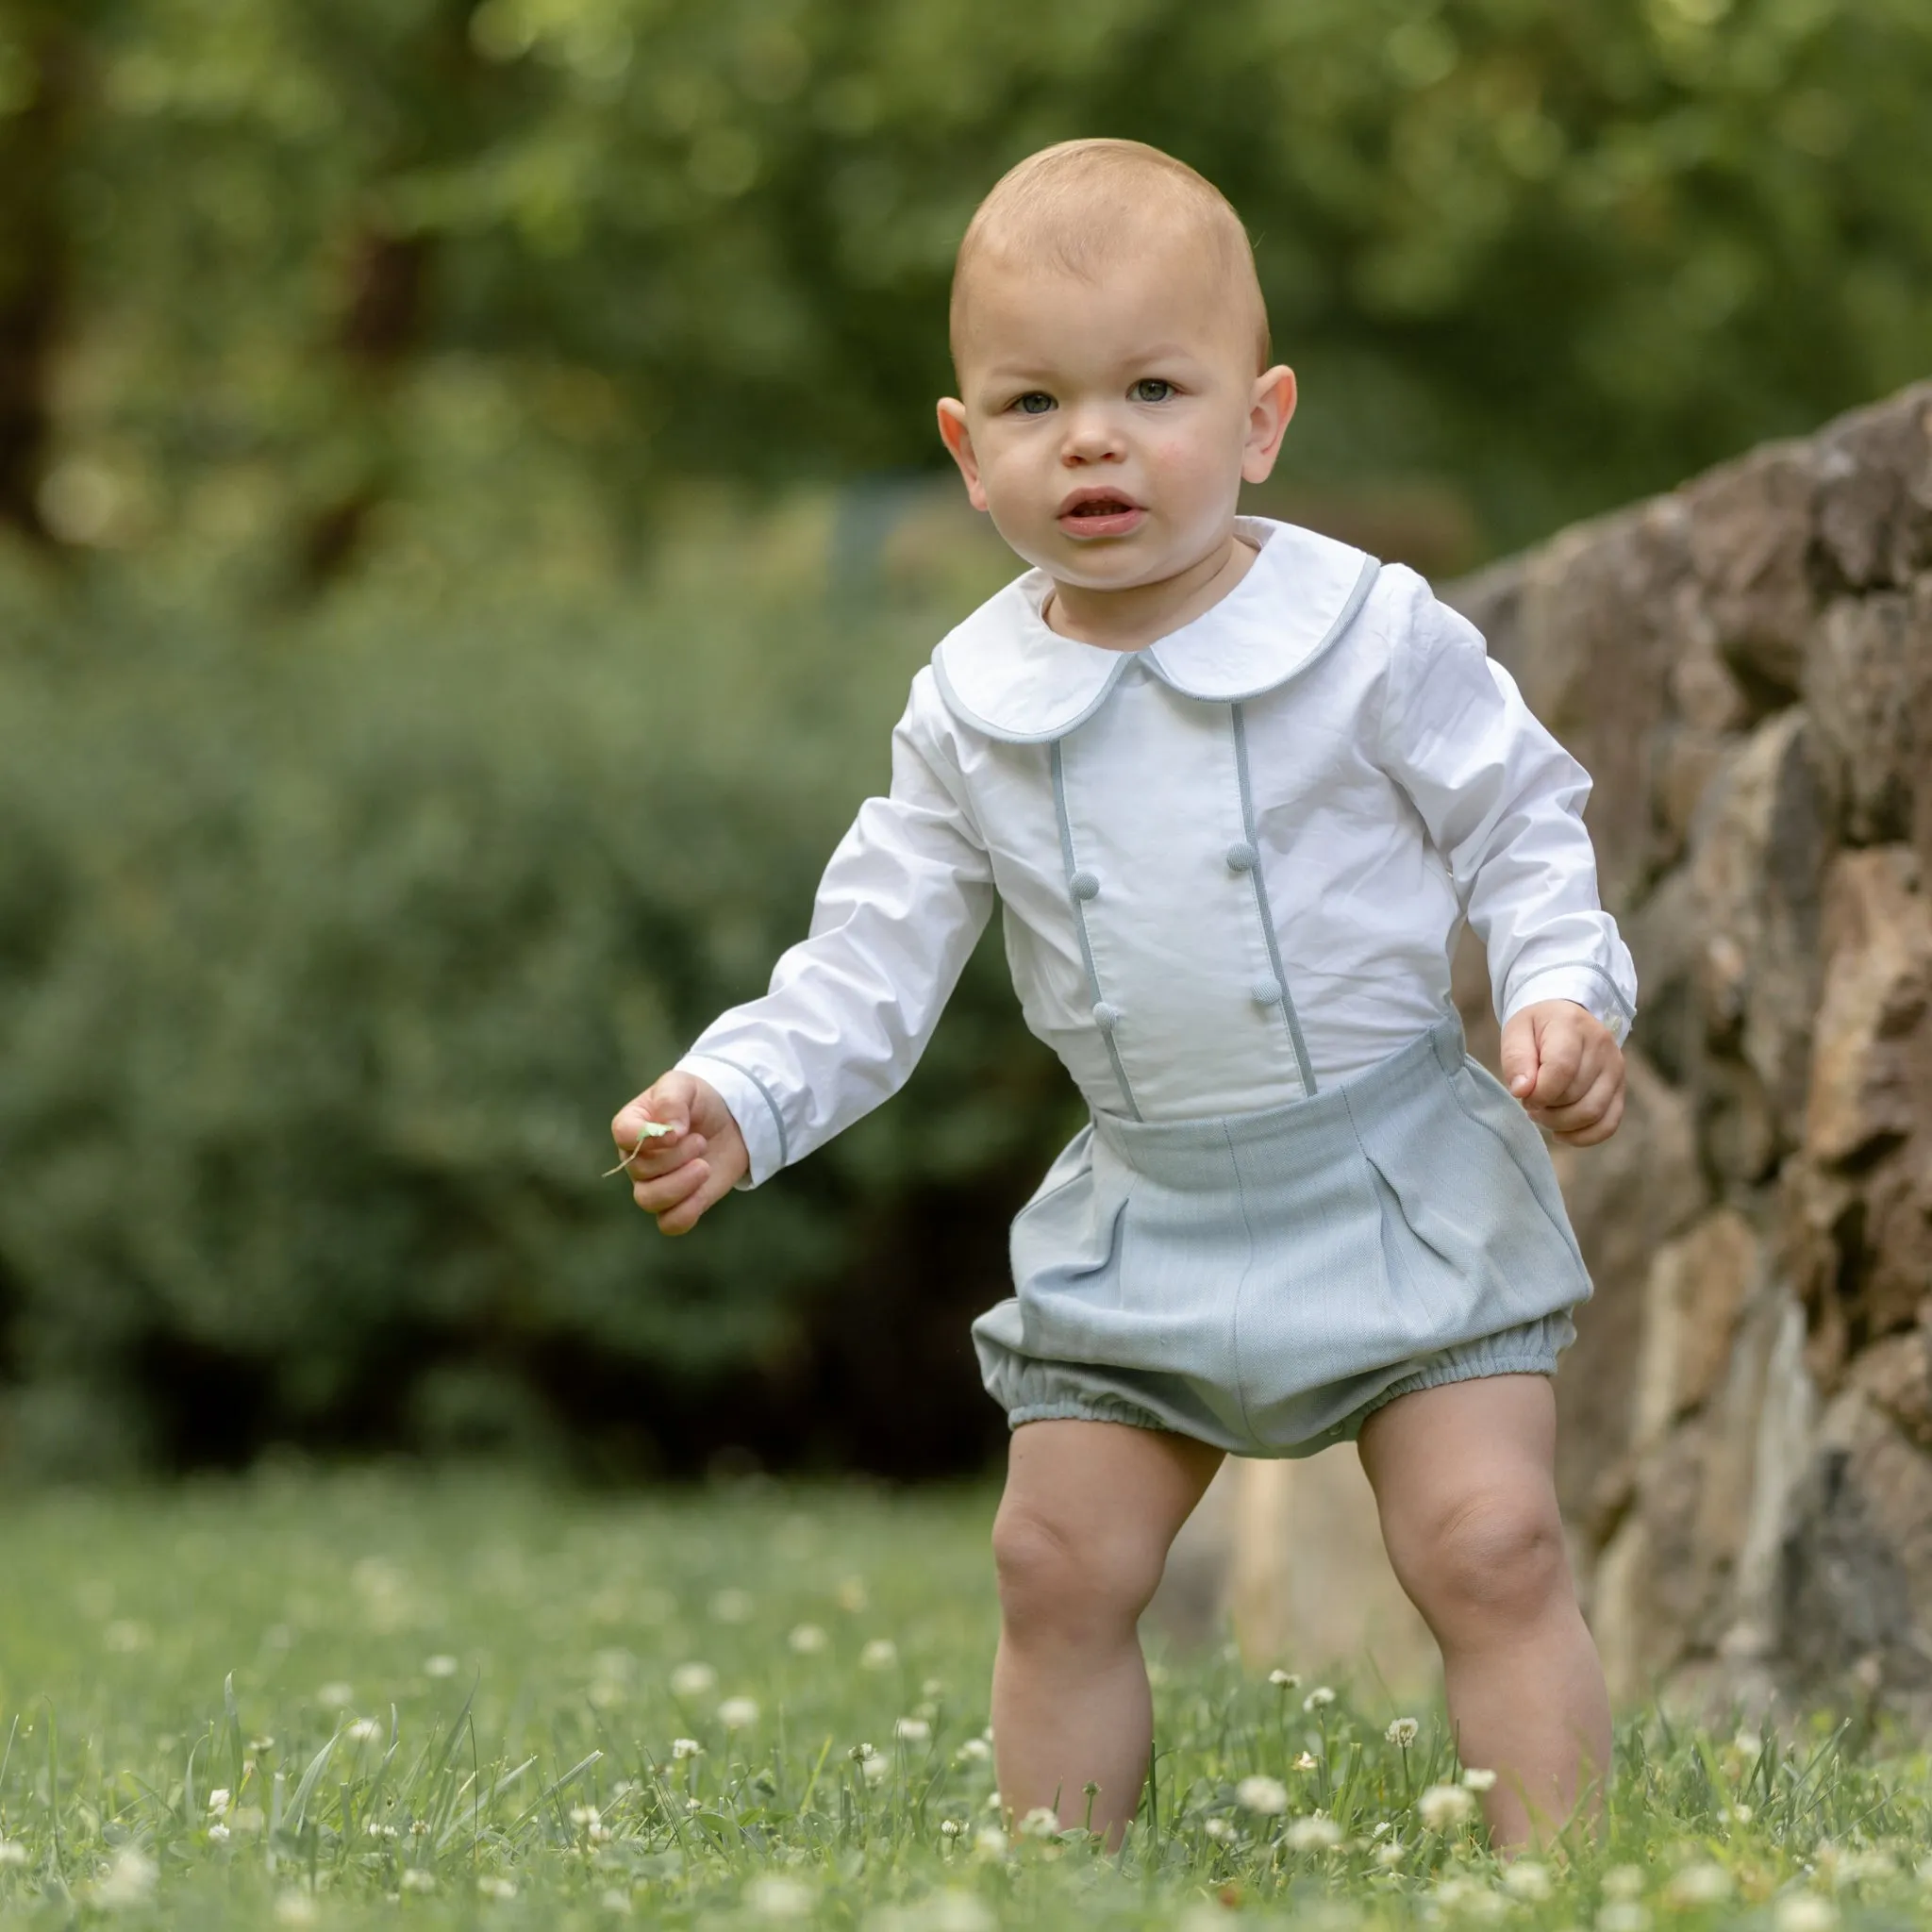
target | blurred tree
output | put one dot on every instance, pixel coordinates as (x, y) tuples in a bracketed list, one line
[(1561, 252)]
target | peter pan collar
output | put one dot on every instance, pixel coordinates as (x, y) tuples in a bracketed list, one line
[(1006, 673)]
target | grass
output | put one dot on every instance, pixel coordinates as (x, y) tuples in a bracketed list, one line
[(299, 1701)]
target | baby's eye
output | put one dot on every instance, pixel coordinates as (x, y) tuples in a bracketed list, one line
[(1035, 402), (1151, 389)]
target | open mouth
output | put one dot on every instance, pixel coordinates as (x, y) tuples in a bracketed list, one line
[(1100, 514)]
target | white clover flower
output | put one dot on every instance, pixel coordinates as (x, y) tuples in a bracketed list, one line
[(774, 1896), (334, 1696), (950, 1827), (1624, 1915), (496, 1887), (974, 1751), (739, 1713), (1315, 1833), (364, 1730), (1304, 1762), (440, 1666), (1442, 1807), (1699, 1884), (932, 1687), (218, 1799), (685, 1747), (881, 1654), (1404, 1731), (692, 1680), (1039, 1823), (1285, 1681), (12, 1852), (1527, 1879), (219, 1834), (876, 1770), (1266, 1796), (912, 1731), (1316, 1698), (861, 1752), (808, 1640), (990, 1841), (732, 1605), (1747, 1743), (128, 1881), (1219, 1829), (1735, 1814), (1623, 1881), (416, 1879), (376, 1828), (295, 1908), (1477, 1777), (1390, 1855)]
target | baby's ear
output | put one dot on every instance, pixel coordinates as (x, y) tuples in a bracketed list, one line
[(1269, 415), (958, 442)]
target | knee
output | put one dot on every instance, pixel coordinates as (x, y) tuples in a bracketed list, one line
[(1490, 1560), (1072, 1582)]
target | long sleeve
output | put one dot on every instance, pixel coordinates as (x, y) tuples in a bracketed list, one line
[(1503, 801), (851, 1007)]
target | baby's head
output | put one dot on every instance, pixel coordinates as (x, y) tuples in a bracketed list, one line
[(1111, 348)]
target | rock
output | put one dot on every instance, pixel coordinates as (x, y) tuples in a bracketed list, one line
[(1756, 870), (1866, 684), (1626, 1197), (1856, 1569), (1874, 491), (1750, 538), (1870, 1080), (1694, 1299), (1895, 1376)]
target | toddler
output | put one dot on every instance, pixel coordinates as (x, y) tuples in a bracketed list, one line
[(1235, 787)]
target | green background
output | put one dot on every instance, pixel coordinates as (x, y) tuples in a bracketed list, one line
[(469, 510)]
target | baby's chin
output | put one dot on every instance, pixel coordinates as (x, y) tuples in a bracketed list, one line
[(1148, 554)]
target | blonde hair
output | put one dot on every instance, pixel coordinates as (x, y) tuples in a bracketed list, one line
[(1078, 205)]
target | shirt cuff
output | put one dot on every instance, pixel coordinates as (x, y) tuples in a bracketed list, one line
[(1589, 987), (751, 1106)]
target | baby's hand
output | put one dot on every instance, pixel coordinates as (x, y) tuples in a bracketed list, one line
[(677, 1176), (1567, 1069)]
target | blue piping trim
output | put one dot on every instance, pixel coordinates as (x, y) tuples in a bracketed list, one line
[(1066, 824), (1616, 992), (778, 1118), (1255, 871)]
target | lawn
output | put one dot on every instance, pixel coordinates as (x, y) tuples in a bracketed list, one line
[(467, 1701)]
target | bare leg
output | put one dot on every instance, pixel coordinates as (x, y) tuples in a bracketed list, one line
[(1080, 1541), (1464, 1480)]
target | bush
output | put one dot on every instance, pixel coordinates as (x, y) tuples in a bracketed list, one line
[(326, 952)]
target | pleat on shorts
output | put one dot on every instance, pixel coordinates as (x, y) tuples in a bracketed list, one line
[(1265, 1282)]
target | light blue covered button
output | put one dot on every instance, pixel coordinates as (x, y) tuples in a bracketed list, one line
[(1267, 992), (1083, 884), (1241, 856), (1106, 1017)]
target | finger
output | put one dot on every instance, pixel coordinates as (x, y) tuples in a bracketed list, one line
[(1584, 1111), (685, 1217), (1519, 1055), (1559, 1061), (660, 1194), (1602, 1128), (659, 1157)]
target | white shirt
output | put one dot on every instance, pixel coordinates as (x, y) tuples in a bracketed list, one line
[(1233, 865)]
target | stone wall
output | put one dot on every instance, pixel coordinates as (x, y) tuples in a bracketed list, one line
[(1746, 667)]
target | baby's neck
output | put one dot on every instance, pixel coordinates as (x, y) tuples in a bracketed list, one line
[(1131, 619)]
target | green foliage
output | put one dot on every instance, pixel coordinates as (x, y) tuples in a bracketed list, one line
[(326, 959), (1558, 253), (351, 1704)]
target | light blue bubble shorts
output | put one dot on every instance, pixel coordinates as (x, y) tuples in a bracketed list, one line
[(1265, 1282)]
